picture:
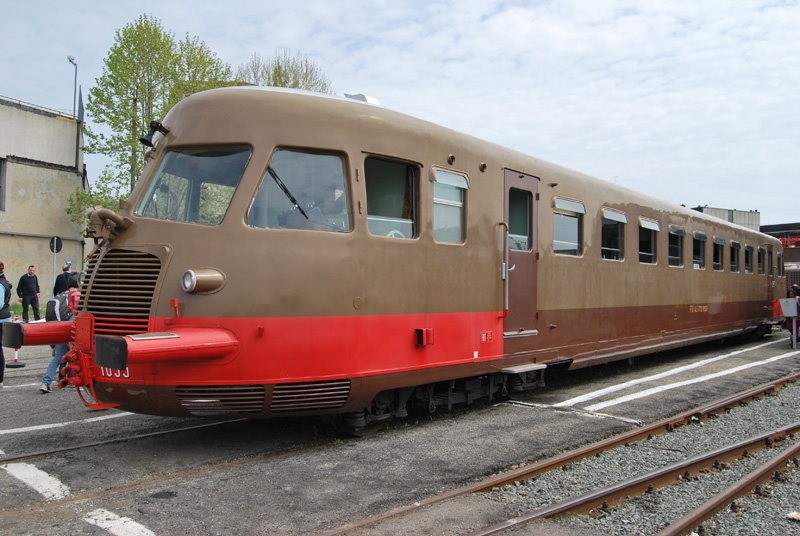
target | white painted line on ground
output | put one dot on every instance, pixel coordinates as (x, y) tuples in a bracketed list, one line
[(661, 389), (62, 424), (116, 525), (48, 486), (23, 385), (614, 388)]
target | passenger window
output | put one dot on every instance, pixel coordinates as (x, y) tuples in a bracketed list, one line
[(648, 230), (719, 253), (519, 219), (748, 259), (735, 247), (302, 190), (699, 251), (612, 243), (391, 198), (676, 235), (762, 256), (568, 226), (449, 192)]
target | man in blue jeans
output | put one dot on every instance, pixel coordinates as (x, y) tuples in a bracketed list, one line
[(28, 292)]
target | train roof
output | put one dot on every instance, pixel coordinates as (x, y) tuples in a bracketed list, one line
[(362, 114)]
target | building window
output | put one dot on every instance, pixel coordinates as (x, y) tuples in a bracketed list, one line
[(735, 248), (449, 192), (762, 257), (648, 230), (699, 251), (302, 190), (719, 253), (748, 259), (568, 227), (391, 198), (612, 244), (676, 235), (519, 219)]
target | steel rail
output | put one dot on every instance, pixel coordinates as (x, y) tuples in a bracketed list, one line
[(686, 524), (32, 455), (647, 482), (701, 413)]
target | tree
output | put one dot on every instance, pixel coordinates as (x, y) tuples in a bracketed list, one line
[(145, 73), (284, 70)]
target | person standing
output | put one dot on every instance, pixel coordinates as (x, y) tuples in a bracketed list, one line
[(65, 304), (5, 316), (62, 281), (28, 292)]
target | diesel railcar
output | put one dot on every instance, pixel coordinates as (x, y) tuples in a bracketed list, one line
[(287, 253)]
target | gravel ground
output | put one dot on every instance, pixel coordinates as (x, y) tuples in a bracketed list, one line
[(756, 515)]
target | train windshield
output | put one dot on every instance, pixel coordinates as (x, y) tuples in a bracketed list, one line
[(195, 186), (302, 190)]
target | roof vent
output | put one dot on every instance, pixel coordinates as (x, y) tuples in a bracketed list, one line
[(362, 98)]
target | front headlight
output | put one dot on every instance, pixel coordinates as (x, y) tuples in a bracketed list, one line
[(203, 280)]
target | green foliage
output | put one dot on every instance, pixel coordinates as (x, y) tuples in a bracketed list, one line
[(144, 74), (284, 70)]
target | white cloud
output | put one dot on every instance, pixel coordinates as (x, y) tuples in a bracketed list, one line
[(693, 102)]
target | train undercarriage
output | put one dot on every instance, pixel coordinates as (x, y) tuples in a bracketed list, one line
[(441, 396)]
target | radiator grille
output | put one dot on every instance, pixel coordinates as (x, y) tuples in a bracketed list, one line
[(310, 396), (119, 291), (207, 400)]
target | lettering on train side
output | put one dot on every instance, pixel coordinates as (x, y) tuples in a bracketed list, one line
[(698, 308)]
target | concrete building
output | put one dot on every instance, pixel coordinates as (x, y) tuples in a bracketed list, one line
[(41, 165), (746, 218)]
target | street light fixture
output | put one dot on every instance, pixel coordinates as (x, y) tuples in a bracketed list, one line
[(75, 90)]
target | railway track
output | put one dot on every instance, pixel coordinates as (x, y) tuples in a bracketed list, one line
[(600, 500)]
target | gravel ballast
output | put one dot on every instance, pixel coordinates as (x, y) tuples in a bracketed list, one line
[(752, 515)]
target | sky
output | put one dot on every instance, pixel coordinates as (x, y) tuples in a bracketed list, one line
[(693, 101)]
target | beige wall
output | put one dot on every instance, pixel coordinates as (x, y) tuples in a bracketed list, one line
[(38, 152)]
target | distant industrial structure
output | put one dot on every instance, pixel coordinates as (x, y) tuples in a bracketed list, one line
[(746, 218), (789, 235), (41, 165)]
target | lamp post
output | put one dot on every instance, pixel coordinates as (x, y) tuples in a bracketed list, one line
[(75, 90)]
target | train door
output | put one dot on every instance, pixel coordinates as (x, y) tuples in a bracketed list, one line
[(521, 195), (771, 290)]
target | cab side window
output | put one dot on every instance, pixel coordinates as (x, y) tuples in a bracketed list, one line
[(391, 198)]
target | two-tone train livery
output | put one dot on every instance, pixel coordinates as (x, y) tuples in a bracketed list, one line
[(287, 253)]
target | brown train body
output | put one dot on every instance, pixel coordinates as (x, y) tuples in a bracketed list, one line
[(402, 283)]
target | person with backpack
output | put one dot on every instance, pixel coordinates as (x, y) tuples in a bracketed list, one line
[(5, 316), (59, 309)]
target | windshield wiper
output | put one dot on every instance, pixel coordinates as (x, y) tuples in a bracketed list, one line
[(286, 191)]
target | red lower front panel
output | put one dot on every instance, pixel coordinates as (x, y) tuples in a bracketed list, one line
[(280, 350)]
